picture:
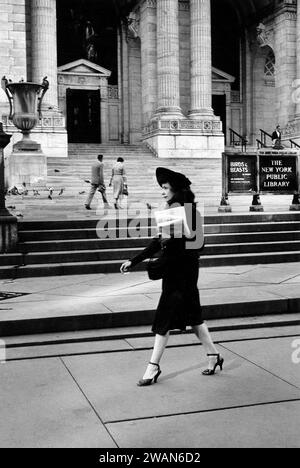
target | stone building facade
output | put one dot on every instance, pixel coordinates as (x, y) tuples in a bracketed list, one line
[(174, 74)]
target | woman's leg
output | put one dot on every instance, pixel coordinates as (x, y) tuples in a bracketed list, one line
[(158, 349), (202, 332)]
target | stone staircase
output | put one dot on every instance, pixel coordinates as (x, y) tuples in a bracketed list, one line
[(63, 247), (60, 237), (140, 165), (68, 175)]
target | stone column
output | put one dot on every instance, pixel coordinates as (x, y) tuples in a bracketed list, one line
[(201, 76), (298, 61), (44, 51), (168, 59), (148, 59), (104, 110)]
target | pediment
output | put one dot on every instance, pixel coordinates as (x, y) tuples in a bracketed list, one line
[(219, 75), (84, 67)]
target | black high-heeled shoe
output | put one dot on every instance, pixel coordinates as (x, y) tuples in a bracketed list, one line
[(219, 363), (145, 382)]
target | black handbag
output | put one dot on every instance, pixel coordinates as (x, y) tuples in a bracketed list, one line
[(156, 267), (125, 190)]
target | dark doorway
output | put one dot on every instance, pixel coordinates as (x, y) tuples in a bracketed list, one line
[(219, 107), (83, 116)]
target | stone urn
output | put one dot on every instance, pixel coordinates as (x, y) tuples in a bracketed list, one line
[(25, 100)]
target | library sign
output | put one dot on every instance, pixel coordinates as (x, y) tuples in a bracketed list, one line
[(267, 171), (278, 174)]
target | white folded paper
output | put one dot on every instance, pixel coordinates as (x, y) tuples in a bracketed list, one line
[(172, 217)]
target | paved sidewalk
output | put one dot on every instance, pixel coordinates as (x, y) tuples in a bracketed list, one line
[(78, 389), (63, 303), (91, 399)]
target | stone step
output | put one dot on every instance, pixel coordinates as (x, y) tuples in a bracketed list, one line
[(95, 244), (113, 266), (221, 219), (129, 252), (122, 232), (10, 259), (273, 323)]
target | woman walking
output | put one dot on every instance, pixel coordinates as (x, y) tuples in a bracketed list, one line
[(118, 179), (179, 304)]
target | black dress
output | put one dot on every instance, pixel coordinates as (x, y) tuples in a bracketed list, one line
[(179, 303)]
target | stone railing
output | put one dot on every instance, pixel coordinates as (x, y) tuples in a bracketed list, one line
[(45, 123), (182, 126)]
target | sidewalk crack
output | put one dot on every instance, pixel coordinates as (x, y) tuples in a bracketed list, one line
[(88, 401)]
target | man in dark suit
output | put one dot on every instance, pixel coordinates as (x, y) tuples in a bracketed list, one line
[(276, 137), (97, 182)]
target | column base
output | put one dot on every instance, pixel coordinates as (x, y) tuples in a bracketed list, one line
[(201, 113), (8, 233), (27, 167), (168, 113), (185, 138)]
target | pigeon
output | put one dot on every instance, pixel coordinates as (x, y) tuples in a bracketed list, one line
[(56, 170), (82, 192), (61, 191), (87, 181), (25, 190), (14, 191), (50, 193)]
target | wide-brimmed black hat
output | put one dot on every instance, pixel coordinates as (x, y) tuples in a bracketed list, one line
[(177, 180)]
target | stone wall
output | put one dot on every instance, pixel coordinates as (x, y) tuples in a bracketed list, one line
[(264, 96), (13, 56)]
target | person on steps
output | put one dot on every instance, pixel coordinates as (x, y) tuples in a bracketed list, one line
[(97, 182)]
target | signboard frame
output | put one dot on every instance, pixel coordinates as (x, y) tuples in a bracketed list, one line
[(227, 186), (282, 155), (257, 157)]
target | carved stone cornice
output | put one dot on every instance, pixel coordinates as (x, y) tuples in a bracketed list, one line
[(150, 3), (265, 35), (133, 25), (287, 8)]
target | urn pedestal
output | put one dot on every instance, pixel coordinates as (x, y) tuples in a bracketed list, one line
[(8, 223), (27, 163)]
